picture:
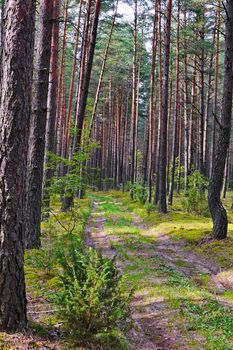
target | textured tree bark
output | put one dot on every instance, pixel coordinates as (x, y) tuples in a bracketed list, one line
[(82, 67), (52, 99), (201, 92), (71, 94), (151, 107), (17, 58), (163, 134), (87, 76), (176, 111), (218, 212), (160, 76), (134, 102), (216, 79), (186, 103), (104, 61), (60, 97), (36, 149)]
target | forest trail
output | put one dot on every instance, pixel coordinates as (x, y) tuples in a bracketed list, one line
[(155, 266)]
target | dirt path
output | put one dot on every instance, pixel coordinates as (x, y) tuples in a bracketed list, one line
[(151, 315)]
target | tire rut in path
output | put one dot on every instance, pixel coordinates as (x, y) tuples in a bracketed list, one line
[(149, 330)]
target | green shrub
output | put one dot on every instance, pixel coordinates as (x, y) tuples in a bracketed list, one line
[(149, 208), (90, 298), (139, 191), (195, 200)]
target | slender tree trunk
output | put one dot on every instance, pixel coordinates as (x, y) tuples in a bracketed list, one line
[(87, 76), (103, 67), (160, 75), (59, 115), (36, 149), (71, 94), (17, 58), (191, 121), (216, 79), (176, 109), (134, 101), (163, 135), (151, 108), (186, 104), (217, 210), (52, 100)]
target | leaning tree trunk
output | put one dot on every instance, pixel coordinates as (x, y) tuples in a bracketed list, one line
[(17, 57), (218, 212), (38, 126), (87, 76)]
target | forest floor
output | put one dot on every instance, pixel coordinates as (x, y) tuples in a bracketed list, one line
[(183, 290)]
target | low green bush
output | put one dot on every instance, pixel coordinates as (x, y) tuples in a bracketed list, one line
[(91, 299), (195, 200), (140, 192)]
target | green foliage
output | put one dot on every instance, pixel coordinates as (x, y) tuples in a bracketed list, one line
[(139, 191), (91, 299), (149, 208), (214, 319), (75, 176), (195, 200)]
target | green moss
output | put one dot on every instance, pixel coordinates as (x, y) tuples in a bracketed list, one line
[(5, 343), (228, 295), (38, 329)]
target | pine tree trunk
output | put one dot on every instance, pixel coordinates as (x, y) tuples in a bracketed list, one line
[(163, 135), (17, 58), (151, 108), (71, 94), (218, 212), (52, 101), (60, 83), (103, 68), (36, 150), (216, 79), (87, 76), (134, 102), (176, 111)]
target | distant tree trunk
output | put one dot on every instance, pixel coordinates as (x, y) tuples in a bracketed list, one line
[(36, 149), (17, 58), (201, 92), (103, 68), (134, 101), (217, 210), (186, 104), (67, 200), (160, 76), (216, 79), (87, 76), (151, 108), (176, 110), (60, 92), (52, 100), (206, 118), (191, 120), (71, 94), (163, 134), (82, 68)]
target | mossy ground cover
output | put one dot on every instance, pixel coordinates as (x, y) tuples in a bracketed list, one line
[(41, 273), (193, 309), (162, 291)]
